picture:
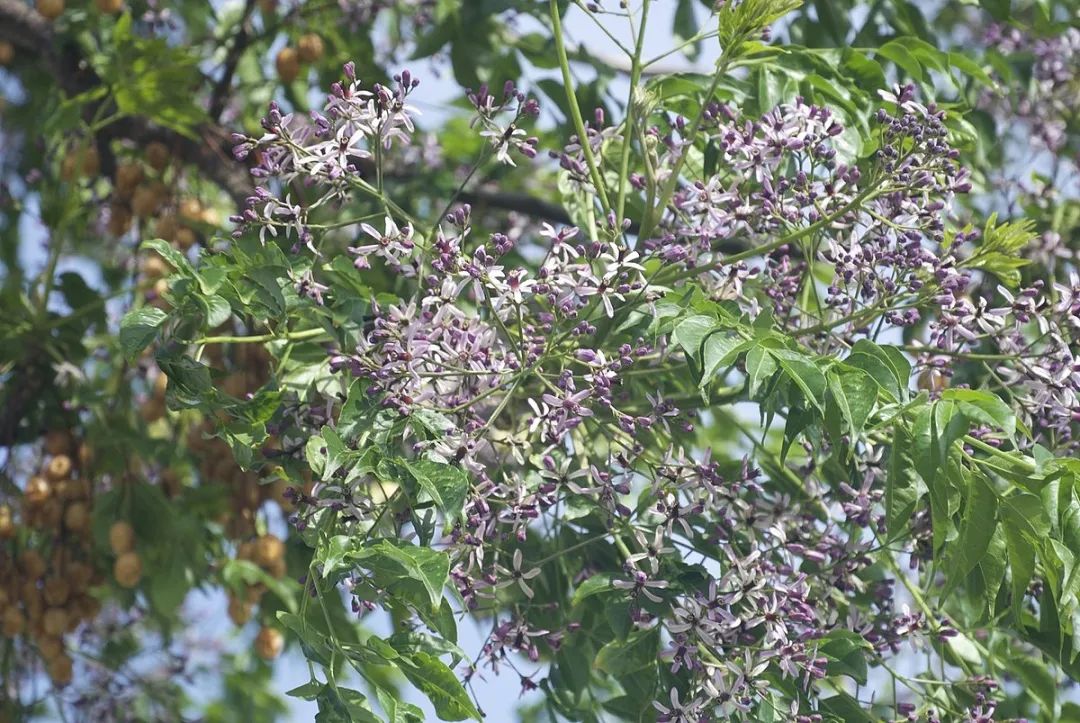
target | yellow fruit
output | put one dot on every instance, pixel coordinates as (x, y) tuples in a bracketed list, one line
[(128, 569), (157, 155), (7, 52), (269, 643), (55, 621), (56, 591), (121, 537), (119, 219), (86, 456), (239, 611), (77, 517), (58, 468), (78, 576), (37, 491), (57, 441), (210, 216), (90, 162), (185, 238), (7, 524), (153, 267), (85, 607), (161, 383), (145, 201), (268, 549), (287, 63), (254, 593), (110, 7), (166, 226), (32, 564), (277, 568), (190, 209), (52, 512), (152, 410), (50, 9), (73, 489), (13, 622), (50, 647), (128, 175), (61, 670), (310, 48)]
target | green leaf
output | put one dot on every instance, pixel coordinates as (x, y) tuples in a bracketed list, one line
[(1037, 680), (900, 56), (593, 586), (637, 652), (805, 373), (855, 392), (165, 250), (760, 367), (337, 454), (218, 310), (311, 640), (406, 642), (982, 407), (447, 485), (315, 454), (398, 711), (903, 487), (435, 680), (846, 652), (886, 364), (691, 332), (719, 349), (139, 328), (403, 563), (976, 530), (843, 707), (866, 72), (684, 26)]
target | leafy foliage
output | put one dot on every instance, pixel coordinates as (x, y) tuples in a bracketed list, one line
[(735, 383)]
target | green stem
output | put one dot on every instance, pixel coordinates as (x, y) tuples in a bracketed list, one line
[(290, 336), (572, 103), (635, 79), (648, 224)]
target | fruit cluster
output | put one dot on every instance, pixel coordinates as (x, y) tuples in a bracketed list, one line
[(46, 555), (52, 9), (308, 49)]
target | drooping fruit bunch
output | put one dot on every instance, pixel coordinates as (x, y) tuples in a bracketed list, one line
[(46, 555)]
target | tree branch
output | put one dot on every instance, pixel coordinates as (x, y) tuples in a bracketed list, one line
[(220, 94), (211, 152), (33, 37)]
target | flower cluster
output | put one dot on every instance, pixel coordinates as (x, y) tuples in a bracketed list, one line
[(515, 358), (508, 137)]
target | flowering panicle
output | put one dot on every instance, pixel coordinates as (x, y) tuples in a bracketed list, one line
[(533, 378), (508, 137)]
